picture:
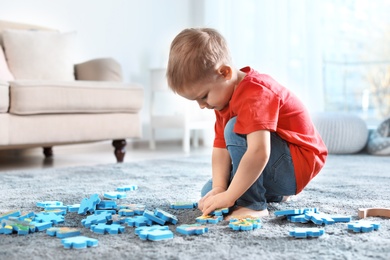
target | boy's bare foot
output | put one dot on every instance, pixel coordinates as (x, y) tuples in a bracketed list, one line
[(241, 212)]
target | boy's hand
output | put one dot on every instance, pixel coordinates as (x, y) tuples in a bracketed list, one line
[(217, 201), (211, 193)]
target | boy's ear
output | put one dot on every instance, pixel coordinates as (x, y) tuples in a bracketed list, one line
[(225, 71)]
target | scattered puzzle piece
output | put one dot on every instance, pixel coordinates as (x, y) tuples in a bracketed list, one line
[(13, 225), (107, 204), (319, 218), (114, 195), (106, 228), (289, 212), (183, 205), (44, 204), (127, 188), (363, 226), (73, 208), (126, 212), (79, 242), (166, 216), (89, 204), (209, 219), (138, 221), (307, 232), (49, 217), (95, 219), (341, 218), (63, 232), (154, 233), (137, 208), (192, 229), (245, 223), (40, 226), (150, 215), (13, 213)]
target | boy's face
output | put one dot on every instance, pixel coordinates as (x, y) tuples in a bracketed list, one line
[(214, 94)]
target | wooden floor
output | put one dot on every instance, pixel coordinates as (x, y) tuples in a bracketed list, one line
[(89, 154)]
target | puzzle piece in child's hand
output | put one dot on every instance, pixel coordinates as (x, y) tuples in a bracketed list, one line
[(73, 208), (89, 204), (63, 232), (49, 217), (184, 205), (114, 195), (13, 213), (127, 188), (220, 212), (306, 232), (40, 226), (166, 216), (137, 208), (209, 219), (103, 217), (245, 223), (139, 221), (79, 242), (51, 203), (154, 233), (106, 228), (363, 226), (107, 204), (192, 229), (288, 212)]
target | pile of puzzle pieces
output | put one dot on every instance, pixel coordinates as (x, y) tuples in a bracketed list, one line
[(105, 216), (313, 215)]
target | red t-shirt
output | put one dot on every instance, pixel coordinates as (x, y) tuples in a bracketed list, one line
[(261, 103)]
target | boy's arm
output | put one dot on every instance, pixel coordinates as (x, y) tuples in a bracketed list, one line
[(221, 167), (251, 166)]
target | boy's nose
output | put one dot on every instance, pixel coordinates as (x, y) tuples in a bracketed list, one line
[(202, 104)]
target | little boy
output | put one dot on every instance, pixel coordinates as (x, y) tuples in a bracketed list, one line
[(266, 147)]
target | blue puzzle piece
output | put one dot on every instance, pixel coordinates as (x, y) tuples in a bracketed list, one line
[(114, 195), (63, 232), (56, 211), (14, 213), (220, 212), (150, 215), (73, 208), (183, 205), (166, 216), (363, 226), (138, 221), (297, 218), (51, 203), (105, 228), (79, 242), (137, 208), (192, 229), (126, 212), (89, 204), (154, 233), (289, 212), (127, 188), (117, 219), (245, 224), (99, 211), (319, 218), (341, 218), (13, 225), (49, 217), (107, 204), (209, 219), (40, 226), (103, 217), (306, 232), (27, 216)]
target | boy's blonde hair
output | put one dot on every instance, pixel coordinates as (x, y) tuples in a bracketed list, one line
[(194, 56)]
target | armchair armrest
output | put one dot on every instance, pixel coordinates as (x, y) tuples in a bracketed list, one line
[(104, 69)]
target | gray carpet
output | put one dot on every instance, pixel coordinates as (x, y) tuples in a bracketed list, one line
[(345, 184)]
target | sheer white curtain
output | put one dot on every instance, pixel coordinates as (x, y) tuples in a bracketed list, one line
[(278, 37)]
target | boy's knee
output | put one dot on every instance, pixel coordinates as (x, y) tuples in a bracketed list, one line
[(231, 138)]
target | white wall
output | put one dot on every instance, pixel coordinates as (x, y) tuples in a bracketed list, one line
[(137, 33)]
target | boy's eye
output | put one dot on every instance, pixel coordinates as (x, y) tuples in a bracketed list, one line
[(204, 97)]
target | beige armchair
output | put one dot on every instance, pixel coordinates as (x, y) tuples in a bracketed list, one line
[(47, 100)]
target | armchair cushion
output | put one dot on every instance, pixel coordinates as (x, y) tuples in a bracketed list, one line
[(5, 74), (105, 69), (4, 97), (29, 97), (39, 55)]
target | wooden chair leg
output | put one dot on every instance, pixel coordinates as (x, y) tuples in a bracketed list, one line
[(120, 149), (48, 152)]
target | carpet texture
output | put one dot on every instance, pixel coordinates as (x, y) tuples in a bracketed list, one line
[(347, 182)]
